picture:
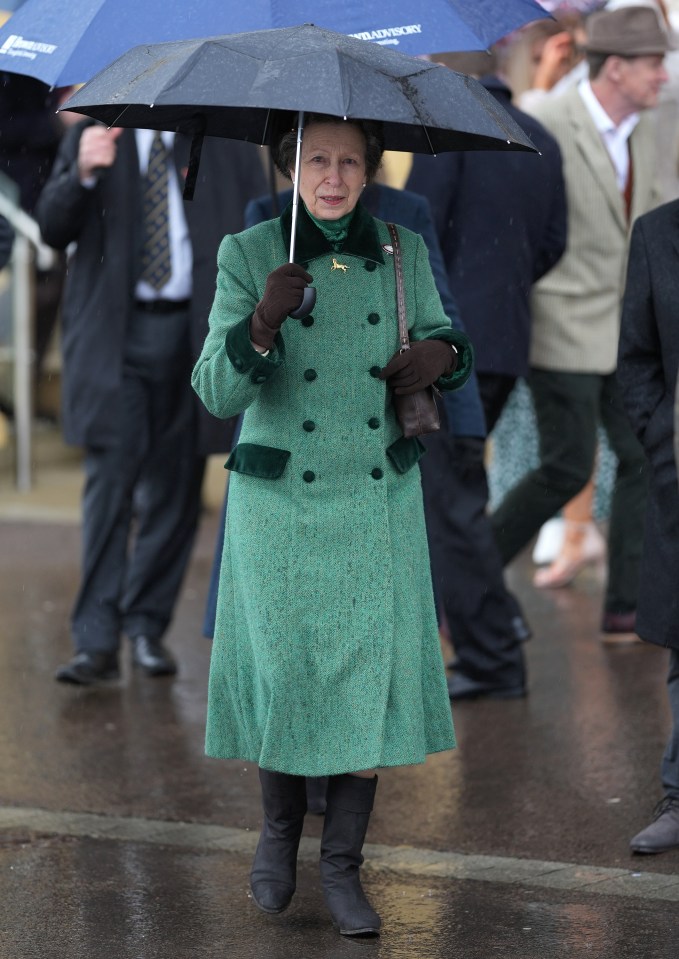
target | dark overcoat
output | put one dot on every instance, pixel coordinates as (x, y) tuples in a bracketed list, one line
[(105, 223), (647, 371), (501, 223)]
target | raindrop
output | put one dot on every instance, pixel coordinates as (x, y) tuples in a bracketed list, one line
[(615, 799), (636, 875)]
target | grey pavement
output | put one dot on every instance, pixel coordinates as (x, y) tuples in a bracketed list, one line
[(120, 839)]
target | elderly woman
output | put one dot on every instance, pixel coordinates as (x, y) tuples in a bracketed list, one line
[(326, 658)]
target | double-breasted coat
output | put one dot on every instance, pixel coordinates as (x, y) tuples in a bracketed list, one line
[(647, 371), (326, 656)]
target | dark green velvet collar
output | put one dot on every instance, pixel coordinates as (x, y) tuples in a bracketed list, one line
[(362, 239)]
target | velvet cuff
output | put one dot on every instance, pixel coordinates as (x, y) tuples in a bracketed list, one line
[(244, 356), (405, 453)]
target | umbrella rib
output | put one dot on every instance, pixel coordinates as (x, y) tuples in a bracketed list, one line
[(119, 117)]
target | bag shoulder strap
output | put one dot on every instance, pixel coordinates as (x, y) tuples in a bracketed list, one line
[(404, 339)]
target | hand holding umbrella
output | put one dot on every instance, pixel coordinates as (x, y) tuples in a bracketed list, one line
[(283, 296)]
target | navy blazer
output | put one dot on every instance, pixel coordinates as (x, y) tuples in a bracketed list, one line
[(501, 223), (464, 411)]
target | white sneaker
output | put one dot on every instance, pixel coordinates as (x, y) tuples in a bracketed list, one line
[(549, 542)]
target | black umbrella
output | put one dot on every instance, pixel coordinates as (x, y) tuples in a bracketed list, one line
[(235, 86)]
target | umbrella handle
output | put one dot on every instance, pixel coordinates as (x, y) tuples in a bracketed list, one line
[(309, 299), (307, 304)]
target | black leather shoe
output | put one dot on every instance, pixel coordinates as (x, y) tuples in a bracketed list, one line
[(462, 687), (151, 656), (85, 669)]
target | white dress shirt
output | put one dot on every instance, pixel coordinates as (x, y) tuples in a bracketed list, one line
[(179, 286), (614, 137)]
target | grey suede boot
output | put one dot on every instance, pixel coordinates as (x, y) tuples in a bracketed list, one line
[(274, 869), (349, 804)]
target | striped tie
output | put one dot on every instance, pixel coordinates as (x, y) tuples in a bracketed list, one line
[(156, 265)]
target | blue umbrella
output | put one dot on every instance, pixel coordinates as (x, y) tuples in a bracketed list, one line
[(63, 42)]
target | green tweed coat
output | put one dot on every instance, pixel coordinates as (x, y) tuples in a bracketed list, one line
[(326, 656)]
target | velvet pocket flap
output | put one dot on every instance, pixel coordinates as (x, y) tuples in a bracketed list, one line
[(267, 462), (405, 453)]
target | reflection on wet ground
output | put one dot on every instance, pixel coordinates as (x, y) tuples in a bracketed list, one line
[(568, 776)]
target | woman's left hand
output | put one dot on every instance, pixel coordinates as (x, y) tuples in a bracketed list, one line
[(420, 366)]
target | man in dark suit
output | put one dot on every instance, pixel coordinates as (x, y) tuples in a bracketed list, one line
[(648, 361), (485, 620), (501, 223), (140, 285)]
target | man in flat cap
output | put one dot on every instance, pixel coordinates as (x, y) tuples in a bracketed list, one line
[(607, 149)]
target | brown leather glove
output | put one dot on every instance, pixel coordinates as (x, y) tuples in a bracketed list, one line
[(283, 294), (420, 366)]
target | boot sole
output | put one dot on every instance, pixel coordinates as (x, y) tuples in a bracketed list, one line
[(639, 851), (270, 912), (368, 931)]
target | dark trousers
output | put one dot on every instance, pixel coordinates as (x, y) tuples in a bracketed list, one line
[(466, 565), (494, 390), (142, 496), (670, 761), (569, 407)]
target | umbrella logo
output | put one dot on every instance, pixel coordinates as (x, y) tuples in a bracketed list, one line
[(15, 46), (388, 35)]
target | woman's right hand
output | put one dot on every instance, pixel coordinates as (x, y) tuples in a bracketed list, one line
[(282, 295)]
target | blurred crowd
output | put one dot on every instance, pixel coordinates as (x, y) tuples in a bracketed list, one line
[(560, 267)]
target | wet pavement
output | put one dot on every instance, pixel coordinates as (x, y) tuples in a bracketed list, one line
[(119, 839)]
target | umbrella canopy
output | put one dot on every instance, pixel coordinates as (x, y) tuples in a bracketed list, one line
[(237, 85), (63, 42), (228, 87)]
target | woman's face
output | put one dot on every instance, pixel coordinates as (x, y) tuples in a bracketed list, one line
[(332, 172)]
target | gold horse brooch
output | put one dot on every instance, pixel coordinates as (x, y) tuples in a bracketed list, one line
[(338, 266)]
